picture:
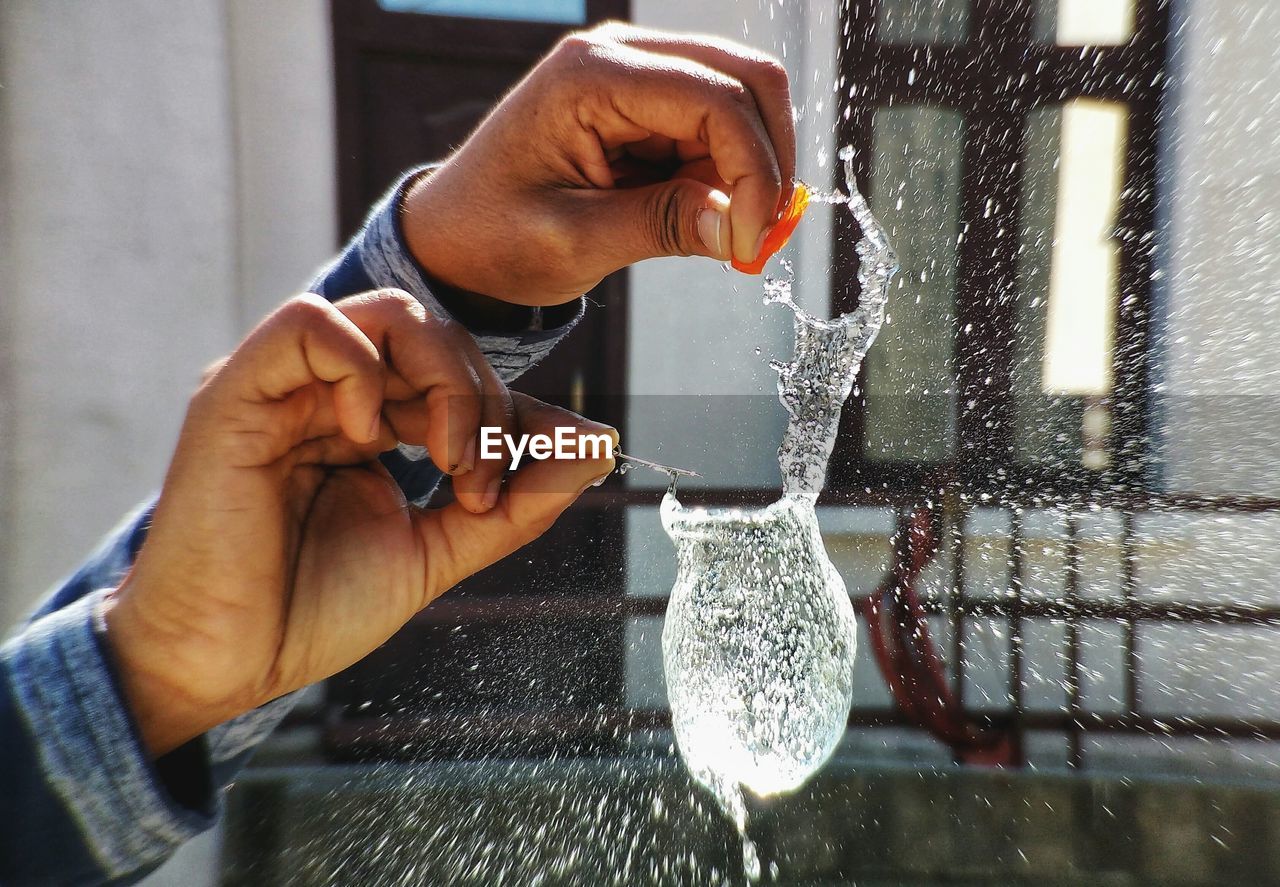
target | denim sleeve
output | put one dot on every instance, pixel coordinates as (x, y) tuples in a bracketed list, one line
[(81, 802)]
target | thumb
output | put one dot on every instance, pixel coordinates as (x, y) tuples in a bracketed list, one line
[(680, 217), (459, 542)]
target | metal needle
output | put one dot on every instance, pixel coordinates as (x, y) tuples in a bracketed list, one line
[(656, 466)]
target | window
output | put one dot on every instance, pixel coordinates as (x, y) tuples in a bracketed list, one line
[(1010, 148), (571, 12)]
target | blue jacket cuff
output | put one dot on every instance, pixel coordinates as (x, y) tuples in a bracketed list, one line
[(88, 746)]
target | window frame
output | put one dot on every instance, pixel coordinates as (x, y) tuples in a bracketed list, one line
[(995, 77)]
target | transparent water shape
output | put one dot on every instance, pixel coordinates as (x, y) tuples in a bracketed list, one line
[(759, 638)]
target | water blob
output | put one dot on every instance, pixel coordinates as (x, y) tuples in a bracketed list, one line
[(759, 638)]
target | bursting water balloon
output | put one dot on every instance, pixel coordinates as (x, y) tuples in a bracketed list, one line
[(759, 638)]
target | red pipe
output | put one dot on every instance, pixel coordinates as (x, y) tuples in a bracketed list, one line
[(908, 659)]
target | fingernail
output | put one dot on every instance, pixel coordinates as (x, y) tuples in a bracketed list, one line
[(491, 494), (467, 462), (760, 244), (596, 482), (376, 428), (709, 225)]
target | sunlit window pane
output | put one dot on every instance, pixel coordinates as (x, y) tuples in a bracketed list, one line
[(915, 189), (572, 12), (1082, 284), (914, 21), (1073, 173), (1084, 22)]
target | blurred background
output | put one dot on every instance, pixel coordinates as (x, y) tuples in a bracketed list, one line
[(1058, 479)]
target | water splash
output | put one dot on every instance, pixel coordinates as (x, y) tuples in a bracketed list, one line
[(759, 639)]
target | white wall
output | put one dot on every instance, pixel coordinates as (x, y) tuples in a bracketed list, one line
[(167, 178), (120, 248), (282, 97), (1222, 372)]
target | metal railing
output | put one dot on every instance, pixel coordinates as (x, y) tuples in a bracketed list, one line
[(597, 727)]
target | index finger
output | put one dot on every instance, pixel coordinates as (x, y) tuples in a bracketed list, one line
[(307, 340), (688, 101), (430, 362), (764, 76)]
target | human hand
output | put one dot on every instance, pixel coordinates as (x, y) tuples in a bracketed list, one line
[(622, 144), (281, 551)]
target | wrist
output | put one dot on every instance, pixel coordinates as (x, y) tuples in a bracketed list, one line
[(479, 312), (478, 288), (166, 711), (427, 237)]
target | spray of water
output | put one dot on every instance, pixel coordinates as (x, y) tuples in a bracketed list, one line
[(759, 639), (758, 645)]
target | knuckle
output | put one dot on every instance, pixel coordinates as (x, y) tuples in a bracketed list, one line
[(463, 371), (577, 47), (446, 327), (587, 60), (308, 311), (213, 370), (435, 323), (611, 29), (396, 305), (306, 305), (470, 379), (666, 231), (737, 96), (396, 297), (204, 396), (774, 73), (505, 409)]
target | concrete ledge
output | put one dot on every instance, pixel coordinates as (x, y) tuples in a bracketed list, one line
[(635, 821)]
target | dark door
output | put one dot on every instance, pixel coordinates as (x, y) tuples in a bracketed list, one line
[(503, 663)]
